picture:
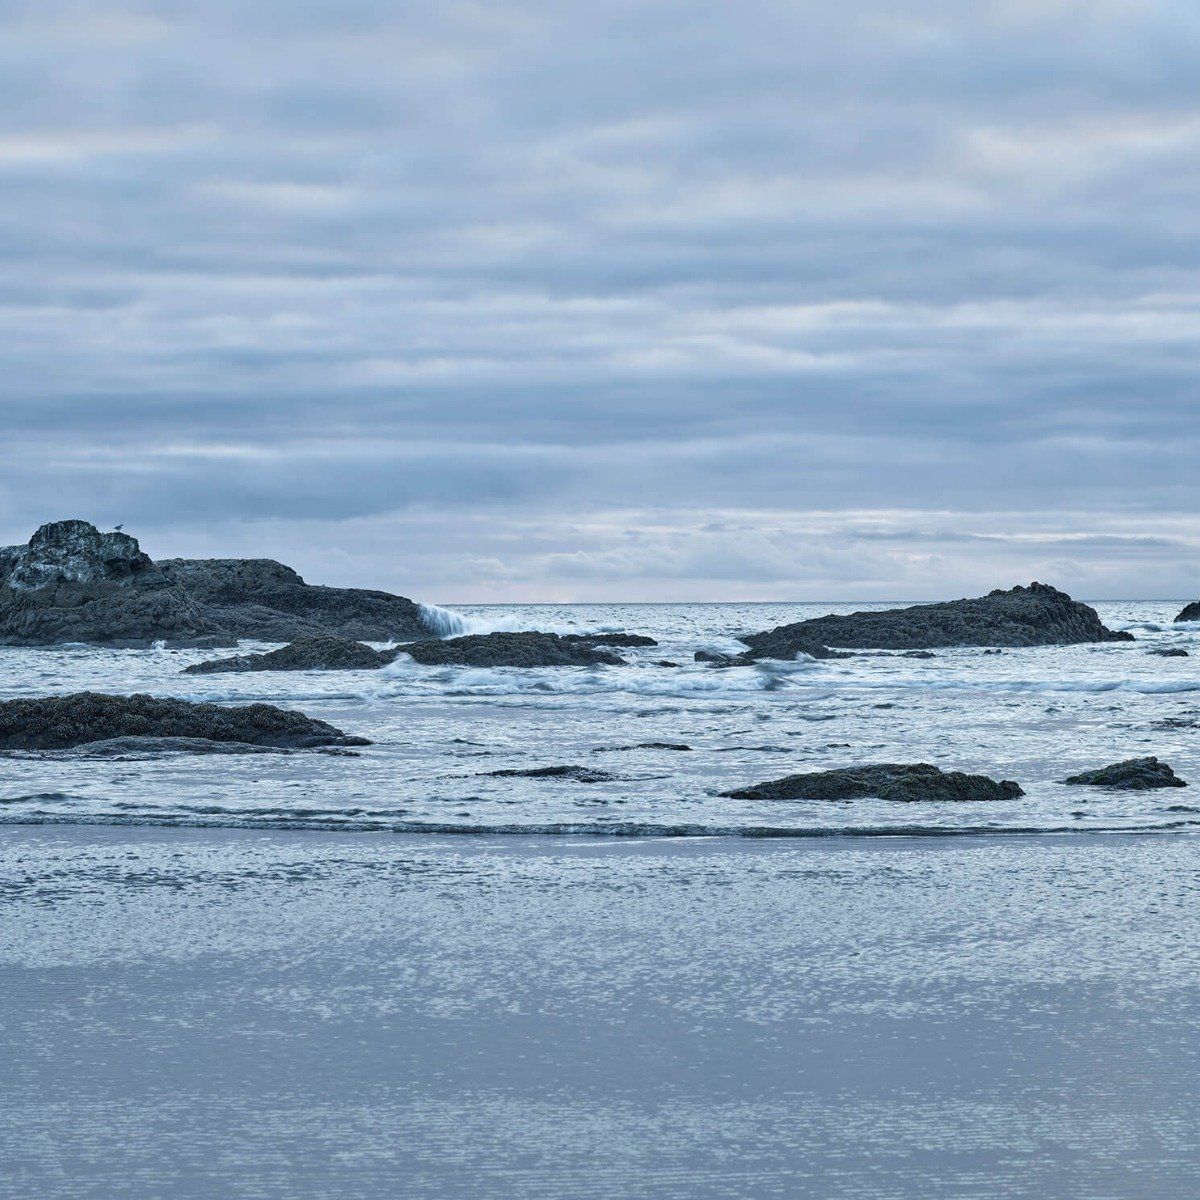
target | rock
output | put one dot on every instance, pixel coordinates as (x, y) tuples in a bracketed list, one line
[(72, 583), (665, 662), (1132, 775), (1037, 615), (1190, 612), (1170, 652), (578, 774), (262, 599), (801, 646), (917, 654), (59, 722), (512, 650), (642, 746), (887, 781), (717, 660), (134, 747), (610, 639), (305, 654)]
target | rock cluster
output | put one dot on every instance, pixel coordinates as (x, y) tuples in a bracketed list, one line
[(1037, 615), (72, 583), (61, 722), (888, 781), (1132, 775)]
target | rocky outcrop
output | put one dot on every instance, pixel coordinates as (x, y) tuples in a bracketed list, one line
[(72, 583), (1170, 652), (305, 654), (1132, 775), (1190, 612), (909, 782), (262, 599), (61, 722), (1037, 615), (512, 650)]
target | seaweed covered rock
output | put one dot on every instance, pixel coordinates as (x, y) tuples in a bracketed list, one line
[(1037, 615), (512, 650), (304, 654), (1132, 775), (60, 722), (907, 782)]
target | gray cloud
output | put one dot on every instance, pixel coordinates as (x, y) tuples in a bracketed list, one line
[(447, 297)]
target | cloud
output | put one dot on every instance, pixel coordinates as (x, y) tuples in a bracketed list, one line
[(428, 269)]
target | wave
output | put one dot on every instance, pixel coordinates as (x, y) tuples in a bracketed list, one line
[(216, 819), (446, 622)]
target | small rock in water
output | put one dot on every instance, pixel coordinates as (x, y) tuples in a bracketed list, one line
[(642, 746), (578, 774), (1170, 652), (888, 781), (304, 654), (529, 649), (1132, 775)]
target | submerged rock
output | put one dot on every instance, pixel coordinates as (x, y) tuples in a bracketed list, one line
[(1132, 775), (72, 583), (578, 774), (60, 722), (1170, 652), (122, 747), (304, 654), (1037, 615), (642, 746), (888, 781), (512, 650)]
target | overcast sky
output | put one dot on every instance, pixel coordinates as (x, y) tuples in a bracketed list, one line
[(607, 299)]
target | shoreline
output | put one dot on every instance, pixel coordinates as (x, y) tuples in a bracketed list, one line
[(315, 1014)]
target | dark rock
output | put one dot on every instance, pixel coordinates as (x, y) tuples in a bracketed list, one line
[(1170, 652), (262, 599), (1190, 612), (717, 660), (72, 583), (642, 746), (137, 747), (578, 774), (888, 781), (665, 662), (1037, 615), (305, 654), (610, 639), (512, 650), (918, 654), (59, 722), (1132, 775)]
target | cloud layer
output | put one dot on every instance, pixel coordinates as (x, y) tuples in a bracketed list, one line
[(645, 300)]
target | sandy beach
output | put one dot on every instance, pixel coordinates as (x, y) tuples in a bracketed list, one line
[(198, 1013)]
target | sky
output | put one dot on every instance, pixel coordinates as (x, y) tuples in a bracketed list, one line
[(610, 300)]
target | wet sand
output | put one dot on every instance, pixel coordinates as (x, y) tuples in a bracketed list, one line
[(199, 1013)]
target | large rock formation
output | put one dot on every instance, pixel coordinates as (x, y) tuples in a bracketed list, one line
[(1190, 612), (513, 650), (1132, 775), (1037, 615), (262, 599), (61, 722), (888, 781), (72, 583), (304, 654)]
